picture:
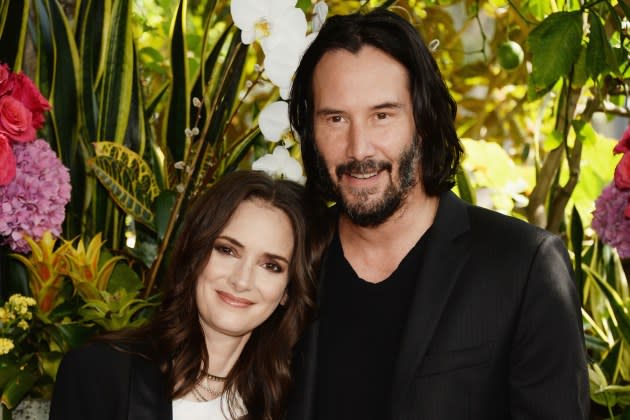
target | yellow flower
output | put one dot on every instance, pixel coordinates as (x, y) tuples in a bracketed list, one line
[(20, 305), (6, 345), (23, 325), (4, 315)]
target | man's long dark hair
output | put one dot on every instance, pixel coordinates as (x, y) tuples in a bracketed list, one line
[(261, 375), (434, 109)]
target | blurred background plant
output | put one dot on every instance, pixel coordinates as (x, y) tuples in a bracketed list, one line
[(153, 100)]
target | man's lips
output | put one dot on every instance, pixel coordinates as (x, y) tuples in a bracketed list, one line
[(363, 175), (232, 300)]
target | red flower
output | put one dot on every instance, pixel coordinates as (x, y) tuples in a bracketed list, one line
[(624, 144), (6, 81), (622, 173), (16, 120), (7, 161), (25, 91)]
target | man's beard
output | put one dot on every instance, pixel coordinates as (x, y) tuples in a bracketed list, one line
[(363, 211)]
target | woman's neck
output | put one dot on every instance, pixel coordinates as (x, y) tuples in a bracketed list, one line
[(223, 352)]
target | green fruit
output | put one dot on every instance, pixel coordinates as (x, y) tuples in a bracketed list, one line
[(510, 55)]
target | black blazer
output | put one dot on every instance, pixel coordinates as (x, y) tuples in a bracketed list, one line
[(494, 328), (98, 382)]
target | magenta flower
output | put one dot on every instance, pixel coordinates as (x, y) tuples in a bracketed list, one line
[(611, 219), (34, 202)]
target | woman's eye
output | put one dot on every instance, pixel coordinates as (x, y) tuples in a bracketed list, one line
[(273, 267), (226, 250)]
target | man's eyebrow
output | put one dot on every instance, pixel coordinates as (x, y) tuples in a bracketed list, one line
[(385, 105)]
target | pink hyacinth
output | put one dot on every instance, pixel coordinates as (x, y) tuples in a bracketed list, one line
[(609, 221), (34, 202)]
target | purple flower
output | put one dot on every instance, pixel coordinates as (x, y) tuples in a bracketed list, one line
[(609, 221), (34, 202)]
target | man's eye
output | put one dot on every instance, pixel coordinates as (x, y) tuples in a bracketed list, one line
[(381, 115), (336, 118)]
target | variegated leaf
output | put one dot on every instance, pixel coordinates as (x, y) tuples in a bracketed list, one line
[(128, 179)]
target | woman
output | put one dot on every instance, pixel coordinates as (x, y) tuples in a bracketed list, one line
[(238, 292)]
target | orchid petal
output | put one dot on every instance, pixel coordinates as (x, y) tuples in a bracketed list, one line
[(274, 120)]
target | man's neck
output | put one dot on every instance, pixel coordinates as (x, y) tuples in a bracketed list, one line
[(375, 252)]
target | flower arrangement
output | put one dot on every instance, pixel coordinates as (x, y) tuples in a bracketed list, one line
[(34, 184), (611, 217)]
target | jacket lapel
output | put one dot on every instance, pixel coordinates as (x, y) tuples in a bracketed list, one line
[(148, 398), (447, 252)]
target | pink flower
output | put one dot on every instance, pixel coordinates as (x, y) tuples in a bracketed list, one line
[(6, 81), (15, 120), (611, 219), (26, 92), (7, 161), (624, 144), (34, 202), (622, 172)]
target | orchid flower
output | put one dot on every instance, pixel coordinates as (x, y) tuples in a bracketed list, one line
[(274, 123), (282, 61), (320, 11), (279, 164), (268, 21)]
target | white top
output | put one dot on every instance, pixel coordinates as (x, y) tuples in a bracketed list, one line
[(216, 409)]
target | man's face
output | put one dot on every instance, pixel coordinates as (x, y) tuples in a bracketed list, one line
[(364, 132)]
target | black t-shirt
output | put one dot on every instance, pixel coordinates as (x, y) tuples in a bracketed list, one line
[(361, 324)]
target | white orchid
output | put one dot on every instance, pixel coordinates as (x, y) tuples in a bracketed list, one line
[(282, 61), (279, 164), (320, 11), (274, 121), (268, 21)]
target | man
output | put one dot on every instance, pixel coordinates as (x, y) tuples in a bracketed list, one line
[(430, 308)]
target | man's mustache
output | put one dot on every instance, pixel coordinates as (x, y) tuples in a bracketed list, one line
[(362, 166)]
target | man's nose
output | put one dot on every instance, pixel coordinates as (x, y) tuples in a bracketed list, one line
[(359, 142)]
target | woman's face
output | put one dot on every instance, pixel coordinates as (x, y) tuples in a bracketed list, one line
[(246, 276)]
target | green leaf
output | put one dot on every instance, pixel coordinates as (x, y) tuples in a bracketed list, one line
[(163, 208), (577, 238), (128, 179), (8, 370), (178, 111), (625, 7), (465, 188), (123, 277), (555, 46), (616, 303), (115, 104), (71, 335), (13, 25), (600, 58), (611, 361), (17, 388)]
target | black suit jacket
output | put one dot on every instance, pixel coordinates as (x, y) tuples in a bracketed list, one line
[(494, 330), (98, 382)]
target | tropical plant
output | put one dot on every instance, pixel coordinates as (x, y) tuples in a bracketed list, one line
[(149, 110)]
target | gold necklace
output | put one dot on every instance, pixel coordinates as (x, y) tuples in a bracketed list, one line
[(206, 387)]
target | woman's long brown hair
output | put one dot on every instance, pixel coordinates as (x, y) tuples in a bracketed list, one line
[(261, 376)]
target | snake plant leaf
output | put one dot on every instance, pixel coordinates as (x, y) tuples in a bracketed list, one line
[(92, 26), (235, 154), (17, 388), (13, 24), (163, 209), (117, 80), (621, 313), (577, 238), (127, 178), (178, 111)]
